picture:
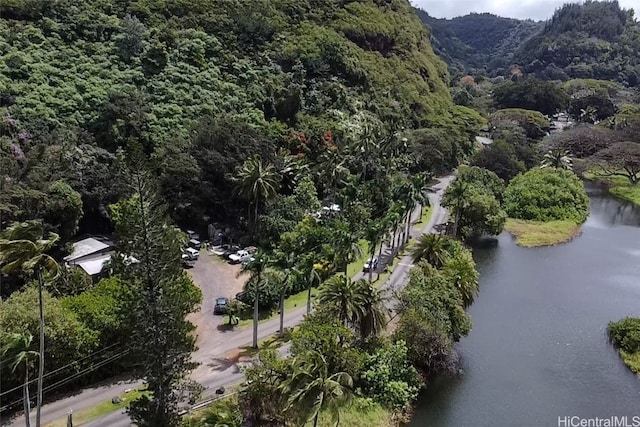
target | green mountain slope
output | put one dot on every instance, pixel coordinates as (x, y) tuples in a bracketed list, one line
[(592, 40), (478, 40), (203, 85)]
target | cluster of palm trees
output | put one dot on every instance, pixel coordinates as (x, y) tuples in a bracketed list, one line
[(557, 158), (23, 248)]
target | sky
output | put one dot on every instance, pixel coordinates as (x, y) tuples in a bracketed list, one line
[(521, 9)]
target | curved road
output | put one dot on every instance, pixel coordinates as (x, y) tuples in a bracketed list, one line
[(215, 369)]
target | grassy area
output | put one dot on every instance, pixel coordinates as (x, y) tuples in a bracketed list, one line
[(632, 360), (425, 217), (356, 266), (359, 414), (532, 234), (100, 410), (620, 187)]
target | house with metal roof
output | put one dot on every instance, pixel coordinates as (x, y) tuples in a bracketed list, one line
[(91, 255)]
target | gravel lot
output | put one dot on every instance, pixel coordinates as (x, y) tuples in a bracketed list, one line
[(216, 278)]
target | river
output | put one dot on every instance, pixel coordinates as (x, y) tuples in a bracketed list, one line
[(539, 349)]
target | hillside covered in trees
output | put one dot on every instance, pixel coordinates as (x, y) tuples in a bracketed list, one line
[(597, 39), (201, 86)]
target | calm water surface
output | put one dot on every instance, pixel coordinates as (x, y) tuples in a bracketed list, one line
[(539, 349)]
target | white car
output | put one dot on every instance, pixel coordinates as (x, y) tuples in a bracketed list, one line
[(240, 256), (371, 264)]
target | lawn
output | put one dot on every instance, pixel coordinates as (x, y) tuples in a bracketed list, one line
[(100, 410), (426, 216), (359, 414), (620, 187), (533, 234)]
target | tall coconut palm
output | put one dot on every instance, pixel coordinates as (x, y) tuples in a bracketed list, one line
[(346, 247), (331, 169), (366, 148), (312, 388), (419, 187), (433, 248), (17, 351), (310, 270), (256, 269), (455, 196), (23, 248), (256, 183), (374, 235), (285, 263), (373, 318), (339, 295), (558, 159), (461, 270)]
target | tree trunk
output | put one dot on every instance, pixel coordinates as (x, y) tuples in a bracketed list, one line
[(25, 395), (309, 298), (409, 225), (255, 317), (281, 314), (456, 223), (373, 253), (255, 221), (315, 419), (379, 255), (41, 361)]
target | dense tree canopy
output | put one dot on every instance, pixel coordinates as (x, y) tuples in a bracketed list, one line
[(545, 195)]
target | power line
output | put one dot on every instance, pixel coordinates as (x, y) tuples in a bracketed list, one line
[(62, 368), (77, 375)]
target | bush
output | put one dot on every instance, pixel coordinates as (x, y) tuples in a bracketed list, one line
[(625, 334), (547, 195)]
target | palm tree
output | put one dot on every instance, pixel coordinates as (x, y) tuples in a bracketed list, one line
[(285, 263), (374, 234), (255, 269), (558, 159), (421, 190), (23, 247), (339, 295), (433, 248), (17, 350), (461, 270), (312, 389), (374, 313), (346, 248), (310, 271), (331, 168), (367, 147), (257, 183), (456, 194)]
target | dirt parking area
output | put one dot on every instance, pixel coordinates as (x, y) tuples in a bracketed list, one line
[(216, 278)]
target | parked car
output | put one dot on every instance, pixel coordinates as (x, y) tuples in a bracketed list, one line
[(221, 305), (195, 244), (371, 264), (187, 262), (229, 250), (192, 253), (240, 256)]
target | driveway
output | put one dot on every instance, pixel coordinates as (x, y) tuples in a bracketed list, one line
[(216, 278)]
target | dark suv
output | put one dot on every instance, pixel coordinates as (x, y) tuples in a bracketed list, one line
[(221, 306)]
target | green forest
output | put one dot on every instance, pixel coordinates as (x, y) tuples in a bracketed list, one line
[(597, 39), (314, 132)]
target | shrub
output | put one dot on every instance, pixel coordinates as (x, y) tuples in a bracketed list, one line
[(546, 195), (625, 334)]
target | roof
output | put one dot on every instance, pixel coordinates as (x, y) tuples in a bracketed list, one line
[(85, 248), (94, 264)]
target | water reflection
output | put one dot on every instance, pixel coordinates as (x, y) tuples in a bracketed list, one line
[(538, 348)]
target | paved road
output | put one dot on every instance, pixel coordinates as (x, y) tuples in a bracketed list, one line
[(219, 367)]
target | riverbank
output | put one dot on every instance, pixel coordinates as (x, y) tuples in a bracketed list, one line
[(625, 335), (618, 186), (533, 234)]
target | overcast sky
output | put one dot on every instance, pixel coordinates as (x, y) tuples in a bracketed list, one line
[(521, 9)]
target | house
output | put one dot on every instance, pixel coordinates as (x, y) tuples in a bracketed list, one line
[(91, 255)]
